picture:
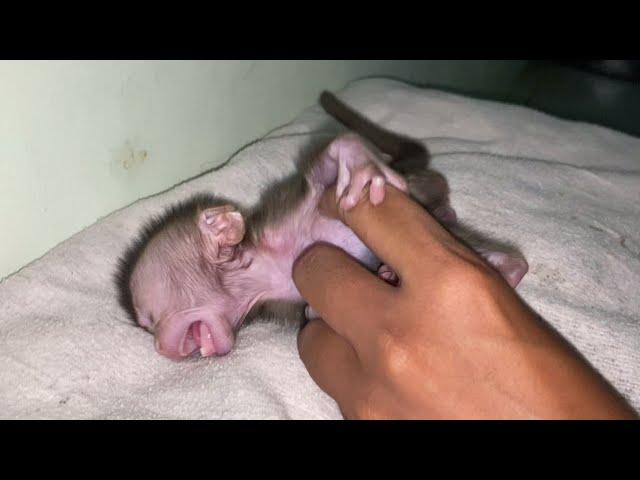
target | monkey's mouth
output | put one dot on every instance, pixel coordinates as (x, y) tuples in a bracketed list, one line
[(198, 338), (191, 332)]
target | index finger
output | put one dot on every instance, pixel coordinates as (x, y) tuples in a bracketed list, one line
[(350, 298), (399, 231)]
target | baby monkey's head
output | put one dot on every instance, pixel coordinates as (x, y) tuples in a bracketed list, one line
[(182, 280)]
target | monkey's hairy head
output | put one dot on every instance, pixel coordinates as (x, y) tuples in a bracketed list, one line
[(182, 277), (182, 215)]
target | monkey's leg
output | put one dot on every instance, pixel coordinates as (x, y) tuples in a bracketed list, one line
[(502, 256), (430, 189)]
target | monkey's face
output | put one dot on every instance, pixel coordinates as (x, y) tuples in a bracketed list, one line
[(186, 288)]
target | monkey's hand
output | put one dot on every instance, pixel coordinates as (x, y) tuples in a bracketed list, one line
[(353, 164)]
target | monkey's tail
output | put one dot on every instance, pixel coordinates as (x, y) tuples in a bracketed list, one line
[(408, 155)]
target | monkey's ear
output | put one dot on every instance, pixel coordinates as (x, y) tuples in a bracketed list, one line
[(223, 226)]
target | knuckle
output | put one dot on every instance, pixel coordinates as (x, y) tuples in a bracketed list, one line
[(360, 410), (462, 278), (394, 354), (366, 411), (472, 274), (365, 407)]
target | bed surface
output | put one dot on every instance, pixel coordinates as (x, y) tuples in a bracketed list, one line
[(567, 193)]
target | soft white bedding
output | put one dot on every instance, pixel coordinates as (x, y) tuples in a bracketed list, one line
[(568, 193)]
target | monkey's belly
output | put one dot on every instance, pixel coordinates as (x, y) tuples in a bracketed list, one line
[(281, 245), (338, 234)]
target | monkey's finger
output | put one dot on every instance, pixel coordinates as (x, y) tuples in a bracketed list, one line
[(395, 179), (351, 299), (359, 181), (332, 363)]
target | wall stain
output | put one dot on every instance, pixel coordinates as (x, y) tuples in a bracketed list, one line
[(129, 157)]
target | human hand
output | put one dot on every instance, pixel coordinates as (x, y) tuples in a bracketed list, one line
[(453, 340)]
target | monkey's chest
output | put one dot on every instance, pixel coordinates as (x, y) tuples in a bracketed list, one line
[(336, 233), (283, 244), (297, 234)]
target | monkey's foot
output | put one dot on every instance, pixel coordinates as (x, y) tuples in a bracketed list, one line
[(388, 275), (446, 215), (511, 266)]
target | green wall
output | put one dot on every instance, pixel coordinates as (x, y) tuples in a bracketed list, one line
[(80, 139)]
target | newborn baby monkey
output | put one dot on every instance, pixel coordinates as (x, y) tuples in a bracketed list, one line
[(196, 273)]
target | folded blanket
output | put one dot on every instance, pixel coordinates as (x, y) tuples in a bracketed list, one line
[(567, 193)]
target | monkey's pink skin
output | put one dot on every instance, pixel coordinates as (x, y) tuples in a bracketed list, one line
[(352, 163), (195, 285), (260, 270)]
